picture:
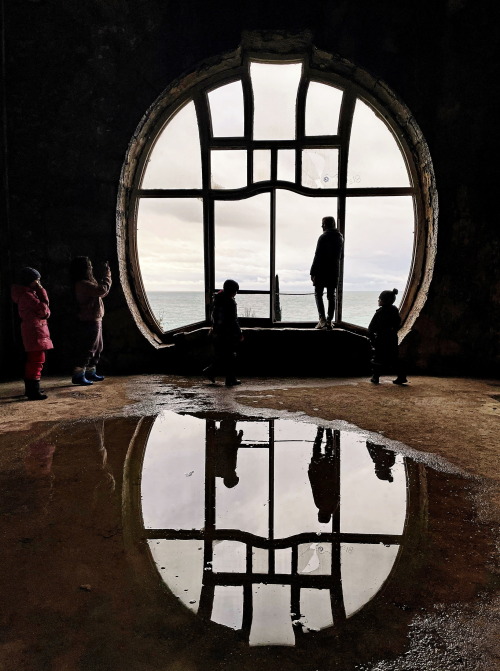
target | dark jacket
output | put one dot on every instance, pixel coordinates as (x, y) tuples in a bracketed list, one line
[(326, 263), (225, 324), (383, 332), (33, 306)]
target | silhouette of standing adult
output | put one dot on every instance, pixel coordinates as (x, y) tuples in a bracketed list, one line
[(323, 474), (325, 270), (227, 442), (383, 460)]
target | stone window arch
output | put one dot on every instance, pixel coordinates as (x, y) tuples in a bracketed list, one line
[(231, 171)]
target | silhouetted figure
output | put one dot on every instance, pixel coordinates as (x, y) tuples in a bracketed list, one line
[(383, 459), (227, 442), (33, 305), (323, 474), (325, 270), (383, 332), (89, 293), (226, 334)]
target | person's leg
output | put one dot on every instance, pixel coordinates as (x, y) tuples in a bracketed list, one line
[(400, 372), (32, 374), (330, 294), (85, 340), (96, 350), (318, 295)]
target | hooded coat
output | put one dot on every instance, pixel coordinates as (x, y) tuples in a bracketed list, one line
[(33, 306)]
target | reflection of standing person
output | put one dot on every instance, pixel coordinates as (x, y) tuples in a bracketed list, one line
[(383, 459), (226, 333), (323, 474), (227, 442), (325, 270), (89, 294), (33, 305), (383, 332)]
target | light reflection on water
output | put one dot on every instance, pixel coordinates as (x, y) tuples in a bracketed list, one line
[(272, 527)]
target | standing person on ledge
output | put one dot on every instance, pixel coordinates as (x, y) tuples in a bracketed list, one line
[(383, 332), (33, 305), (325, 270), (89, 293), (226, 333)]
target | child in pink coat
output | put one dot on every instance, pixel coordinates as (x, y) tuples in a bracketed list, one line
[(33, 305)]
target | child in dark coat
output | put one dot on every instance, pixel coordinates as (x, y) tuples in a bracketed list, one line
[(33, 305), (383, 332), (226, 333)]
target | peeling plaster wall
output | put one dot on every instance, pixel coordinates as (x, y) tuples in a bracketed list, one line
[(79, 76)]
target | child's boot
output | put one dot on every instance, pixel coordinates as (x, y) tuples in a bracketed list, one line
[(400, 380), (90, 374), (32, 390), (79, 378)]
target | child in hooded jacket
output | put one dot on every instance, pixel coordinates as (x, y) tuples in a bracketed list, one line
[(383, 333), (33, 306), (89, 293)]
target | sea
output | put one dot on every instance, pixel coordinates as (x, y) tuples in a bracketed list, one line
[(174, 309)]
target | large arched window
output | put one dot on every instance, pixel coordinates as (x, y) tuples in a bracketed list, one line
[(232, 177)]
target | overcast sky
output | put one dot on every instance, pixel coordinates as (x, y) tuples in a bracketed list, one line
[(379, 230)]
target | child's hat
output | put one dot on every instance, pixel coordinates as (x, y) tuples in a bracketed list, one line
[(28, 275)]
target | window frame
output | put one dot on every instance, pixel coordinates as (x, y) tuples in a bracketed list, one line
[(196, 88)]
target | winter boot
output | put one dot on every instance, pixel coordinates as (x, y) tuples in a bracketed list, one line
[(32, 390), (90, 374), (79, 378)]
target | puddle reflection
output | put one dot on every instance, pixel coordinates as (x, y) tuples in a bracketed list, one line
[(271, 527)]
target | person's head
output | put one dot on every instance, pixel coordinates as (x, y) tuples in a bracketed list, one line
[(387, 297), (28, 276), (81, 269), (231, 287), (328, 223), (231, 480), (324, 516)]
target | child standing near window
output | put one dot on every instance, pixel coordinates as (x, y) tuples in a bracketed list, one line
[(33, 305), (89, 294), (383, 332)]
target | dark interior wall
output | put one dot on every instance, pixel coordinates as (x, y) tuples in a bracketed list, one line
[(79, 77)]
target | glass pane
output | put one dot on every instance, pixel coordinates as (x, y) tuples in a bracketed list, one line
[(261, 165), (175, 161), (229, 168), (320, 168), (228, 606), (171, 482), (227, 110), (315, 609), (245, 506), (271, 622), (364, 569), (180, 564), (260, 560), (361, 480), (286, 165), (322, 109), (298, 226), (229, 557), (375, 158), (242, 243), (170, 252), (275, 95), (377, 252)]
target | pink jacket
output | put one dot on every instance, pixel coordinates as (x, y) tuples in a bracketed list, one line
[(89, 295), (33, 306)]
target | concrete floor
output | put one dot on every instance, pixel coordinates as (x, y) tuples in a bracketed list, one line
[(79, 595)]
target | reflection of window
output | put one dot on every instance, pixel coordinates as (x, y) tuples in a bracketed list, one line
[(267, 153), (250, 552)]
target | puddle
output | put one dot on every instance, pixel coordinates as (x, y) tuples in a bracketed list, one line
[(289, 534), (211, 540)]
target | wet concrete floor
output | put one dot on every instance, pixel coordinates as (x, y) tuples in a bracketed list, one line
[(180, 527)]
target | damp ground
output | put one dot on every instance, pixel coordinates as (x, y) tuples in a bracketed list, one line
[(163, 523)]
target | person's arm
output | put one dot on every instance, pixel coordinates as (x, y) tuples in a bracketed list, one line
[(97, 289), (31, 303)]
